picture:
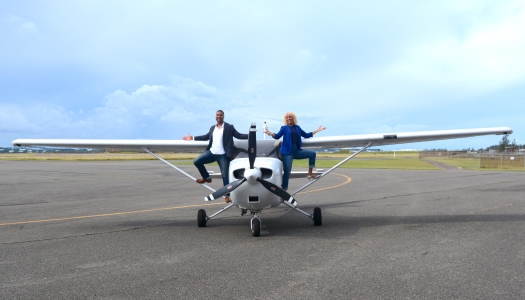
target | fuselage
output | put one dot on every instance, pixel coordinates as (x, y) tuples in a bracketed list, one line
[(251, 195)]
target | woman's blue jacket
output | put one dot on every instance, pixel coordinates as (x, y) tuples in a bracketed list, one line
[(286, 146)]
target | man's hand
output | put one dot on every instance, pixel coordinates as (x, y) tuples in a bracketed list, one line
[(188, 137)]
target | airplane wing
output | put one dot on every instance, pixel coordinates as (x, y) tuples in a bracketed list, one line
[(361, 140), (384, 139), (133, 145)]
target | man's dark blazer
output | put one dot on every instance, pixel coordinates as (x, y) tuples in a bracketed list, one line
[(227, 137)]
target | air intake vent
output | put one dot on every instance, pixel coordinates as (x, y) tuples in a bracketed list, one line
[(238, 174), (253, 198), (266, 173)]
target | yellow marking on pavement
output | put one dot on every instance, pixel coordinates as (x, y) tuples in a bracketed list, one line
[(487, 209), (109, 215), (348, 179)]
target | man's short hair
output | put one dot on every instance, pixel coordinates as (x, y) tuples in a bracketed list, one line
[(220, 111)]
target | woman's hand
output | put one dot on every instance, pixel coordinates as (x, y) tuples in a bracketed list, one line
[(268, 132), (321, 128)]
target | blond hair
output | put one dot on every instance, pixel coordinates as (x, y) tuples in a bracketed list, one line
[(294, 117)]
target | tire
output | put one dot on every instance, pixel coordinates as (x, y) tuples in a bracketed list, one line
[(318, 217), (201, 218), (256, 231)]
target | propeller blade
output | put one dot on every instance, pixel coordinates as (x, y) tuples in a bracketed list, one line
[(252, 145), (225, 190), (277, 191)]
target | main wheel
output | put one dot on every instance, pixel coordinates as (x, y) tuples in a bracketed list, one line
[(201, 218), (256, 227), (318, 217)]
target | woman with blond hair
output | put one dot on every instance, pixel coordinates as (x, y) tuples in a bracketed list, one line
[(291, 146)]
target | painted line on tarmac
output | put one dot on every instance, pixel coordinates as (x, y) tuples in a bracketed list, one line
[(491, 208), (348, 180), (107, 215)]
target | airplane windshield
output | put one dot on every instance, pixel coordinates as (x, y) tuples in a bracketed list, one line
[(265, 148)]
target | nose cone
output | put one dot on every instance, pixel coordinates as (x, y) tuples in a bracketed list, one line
[(251, 175)]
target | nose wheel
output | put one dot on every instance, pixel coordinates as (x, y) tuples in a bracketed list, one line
[(256, 225)]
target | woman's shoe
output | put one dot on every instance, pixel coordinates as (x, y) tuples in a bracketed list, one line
[(312, 177)]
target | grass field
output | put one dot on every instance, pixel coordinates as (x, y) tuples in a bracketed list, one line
[(366, 160)]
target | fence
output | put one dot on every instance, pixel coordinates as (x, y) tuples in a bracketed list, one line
[(502, 161), (515, 160), (450, 154)]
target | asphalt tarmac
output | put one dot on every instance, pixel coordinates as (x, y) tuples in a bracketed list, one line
[(128, 230)]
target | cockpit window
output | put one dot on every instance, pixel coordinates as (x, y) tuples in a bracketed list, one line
[(265, 148)]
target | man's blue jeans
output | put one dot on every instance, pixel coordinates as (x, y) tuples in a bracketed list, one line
[(206, 158), (288, 161)]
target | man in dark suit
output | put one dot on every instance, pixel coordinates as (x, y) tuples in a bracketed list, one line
[(220, 149)]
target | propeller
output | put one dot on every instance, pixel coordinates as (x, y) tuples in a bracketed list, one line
[(252, 145), (252, 175), (225, 190), (277, 191)]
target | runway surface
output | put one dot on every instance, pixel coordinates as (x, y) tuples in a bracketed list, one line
[(128, 230)]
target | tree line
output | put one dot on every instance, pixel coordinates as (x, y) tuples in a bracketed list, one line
[(505, 145)]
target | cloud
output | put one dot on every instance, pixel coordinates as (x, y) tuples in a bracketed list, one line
[(305, 61), (488, 56), (158, 102), (36, 119), (298, 70), (161, 69), (20, 25), (148, 111)]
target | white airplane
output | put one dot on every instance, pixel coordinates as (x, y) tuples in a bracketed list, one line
[(256, 169)]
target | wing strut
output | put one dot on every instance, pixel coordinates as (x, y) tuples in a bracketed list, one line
[(333, 168), (166, 162)]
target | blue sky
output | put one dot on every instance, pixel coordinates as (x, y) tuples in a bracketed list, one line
[(160, 69)]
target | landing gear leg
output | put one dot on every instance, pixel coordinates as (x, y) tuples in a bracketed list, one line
[(202, 218)]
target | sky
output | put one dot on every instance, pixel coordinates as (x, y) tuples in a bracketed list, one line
[(161, 69)]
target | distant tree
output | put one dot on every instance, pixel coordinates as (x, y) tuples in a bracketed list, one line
[(504, 143)]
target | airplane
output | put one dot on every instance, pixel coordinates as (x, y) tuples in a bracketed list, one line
[(256, 168)]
